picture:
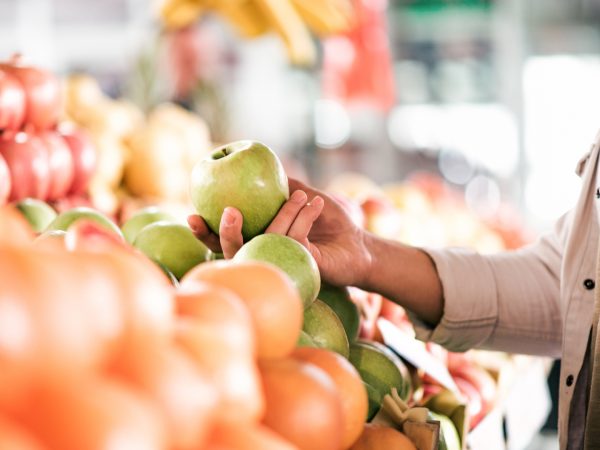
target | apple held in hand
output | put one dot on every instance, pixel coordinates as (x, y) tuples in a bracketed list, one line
[(290, 256), (246, 175), (172, 246)]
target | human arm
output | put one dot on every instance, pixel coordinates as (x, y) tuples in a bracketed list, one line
[(457, 298), (346, 254)]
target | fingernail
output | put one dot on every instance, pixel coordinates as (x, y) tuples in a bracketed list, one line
[(228, 218), (298, 197), (317, 201)]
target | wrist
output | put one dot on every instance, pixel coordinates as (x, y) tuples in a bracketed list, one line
[(367, 279)]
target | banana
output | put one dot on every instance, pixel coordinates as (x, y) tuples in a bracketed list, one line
[(284, 19), (325, 17), (244, 15), (177, 14)]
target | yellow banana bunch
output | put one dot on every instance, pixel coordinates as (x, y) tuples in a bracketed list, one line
[(176, 14), (244, 15), (286, 21), (293, 20), (325, 17)]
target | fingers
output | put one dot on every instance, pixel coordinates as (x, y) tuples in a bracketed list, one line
[(202, 232), (304, 220), (230, 231), (288, 213)]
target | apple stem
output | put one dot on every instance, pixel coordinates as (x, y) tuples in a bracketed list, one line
[(221, 153)]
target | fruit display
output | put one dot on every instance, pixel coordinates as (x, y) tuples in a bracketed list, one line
[(209, 354), (293, 20), (143, 156), (40, 156)]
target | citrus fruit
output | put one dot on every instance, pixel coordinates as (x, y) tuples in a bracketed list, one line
[(303, 404), (375, 437), (271, 298), (352, 391)]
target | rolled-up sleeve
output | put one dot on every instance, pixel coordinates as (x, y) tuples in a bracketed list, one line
[(509, 301)]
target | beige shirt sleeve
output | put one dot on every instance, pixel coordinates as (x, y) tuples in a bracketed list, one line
[(509, 301)]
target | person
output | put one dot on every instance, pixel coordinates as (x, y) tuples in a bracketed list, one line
[(536, 300)]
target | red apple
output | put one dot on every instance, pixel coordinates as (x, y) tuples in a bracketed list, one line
[(43, 95), (5, 181), (27, 161), (481, 380), (60, 163), (475, 409), (83, 153), (12, 102)]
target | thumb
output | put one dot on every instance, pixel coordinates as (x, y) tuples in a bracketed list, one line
[(230, 232)]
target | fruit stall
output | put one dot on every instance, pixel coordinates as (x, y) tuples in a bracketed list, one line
[(120, 328)]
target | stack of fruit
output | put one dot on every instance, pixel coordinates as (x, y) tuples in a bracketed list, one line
[(148, 157), (185, 353), (37, 158), (292, 20)]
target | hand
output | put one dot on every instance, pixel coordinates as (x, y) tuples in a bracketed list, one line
[(312, 218)]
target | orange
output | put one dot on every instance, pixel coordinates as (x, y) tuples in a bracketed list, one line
[(15, 437), (229, 367), (376, 437), (14, 228), (273, 301), (175, 383), (303, 404), (246, 437), (218, 306), (94, 413), (355, 402)]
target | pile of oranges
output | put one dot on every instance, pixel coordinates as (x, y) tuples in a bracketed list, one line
[(99, 350)]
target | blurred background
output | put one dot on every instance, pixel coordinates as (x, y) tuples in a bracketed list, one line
[(498, 98), (444, 122)]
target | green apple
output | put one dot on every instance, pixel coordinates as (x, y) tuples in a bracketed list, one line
[(375, 400), (65, 219), (246, 175), (141, 218), (325, 328), (172, 246), (449, 439), (57, 236), (290, 256), (305, 340), (38, 213), (378, 369), (338, 298)]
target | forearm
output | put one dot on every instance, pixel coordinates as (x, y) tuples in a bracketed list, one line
[(406, 275)]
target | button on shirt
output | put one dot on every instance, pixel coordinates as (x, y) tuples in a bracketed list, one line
[(536, 300)]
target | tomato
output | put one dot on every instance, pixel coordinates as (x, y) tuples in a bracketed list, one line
[(84, 158), (43, 95), (27, 160), (5, 181), (12, 102)]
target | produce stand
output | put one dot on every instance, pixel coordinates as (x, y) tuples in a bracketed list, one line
[(105, 289)]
